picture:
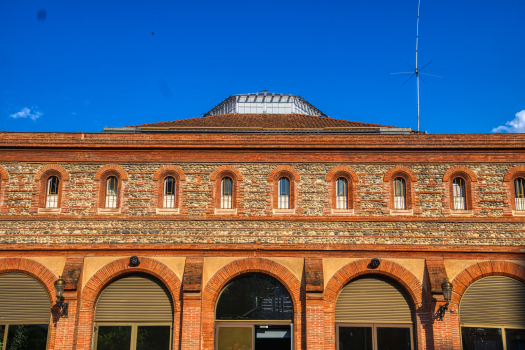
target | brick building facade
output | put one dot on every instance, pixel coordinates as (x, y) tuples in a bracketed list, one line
[(315, 248)]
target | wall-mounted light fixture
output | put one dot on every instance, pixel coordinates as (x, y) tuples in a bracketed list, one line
[(60, 285), (446, 287)]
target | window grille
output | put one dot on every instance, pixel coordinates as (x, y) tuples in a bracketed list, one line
[(342, 193), (111, 192), (226, 193), (400, 202), (52, 192), (458, 189), (519, 194), (169, 192), (284, 193)]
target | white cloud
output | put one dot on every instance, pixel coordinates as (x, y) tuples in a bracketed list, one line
[(516, 125), (26, 113)]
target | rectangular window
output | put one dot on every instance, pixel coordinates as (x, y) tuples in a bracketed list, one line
[(111, 192), (374, 337), (234, 338), (342, 193), (458, 187), (399, 194), (488, 338), (519, 194), (169, 192), (133, 336), (23, 336), (226, 193), (52, 192), (284, 193)]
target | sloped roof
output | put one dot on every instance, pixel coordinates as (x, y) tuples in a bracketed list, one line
[(264, 121)]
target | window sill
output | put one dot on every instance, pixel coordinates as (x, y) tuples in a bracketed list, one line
[(108, 210), (342, 211), (168, 211), (225, 211), (398, 212), (461, 212), (518, 213), (49, 210), (284, 211)]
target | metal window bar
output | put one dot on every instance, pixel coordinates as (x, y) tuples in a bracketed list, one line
[(284, 193), (519, 194), (52, 192), (342, 193), (399, 194), (226, 193), (458, 189), (169, 192), (111, 192)]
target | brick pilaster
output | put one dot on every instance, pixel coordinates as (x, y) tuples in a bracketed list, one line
[(192, 304), (314, 303)]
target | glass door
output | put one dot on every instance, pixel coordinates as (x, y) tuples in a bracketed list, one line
[(250, 336), (488, 338), (132, 337), (374, 337)]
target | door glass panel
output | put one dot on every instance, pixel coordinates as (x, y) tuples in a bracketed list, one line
[(114, 338), (153, 337), (475, 338), (274, 338), (27, 337), (355, 338), (235, 338), (393, 338), (515, 339), (2, 333)]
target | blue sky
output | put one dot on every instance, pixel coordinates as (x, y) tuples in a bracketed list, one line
[(84, 65)]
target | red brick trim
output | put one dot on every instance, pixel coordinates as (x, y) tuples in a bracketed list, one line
[(387, 268), (43, 275), (293, 176), (244, 266), (41, 177), (169, 168), (350, 175), (412, 201), (159, 176), (483, 269), (216, 178), (4, 175), (508, 184), (459, 169), (122, 173), (104, 276), (56, 167), (4, 179), (472, 197), (100, 181)]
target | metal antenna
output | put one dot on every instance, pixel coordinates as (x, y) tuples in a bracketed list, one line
[(415, 71)]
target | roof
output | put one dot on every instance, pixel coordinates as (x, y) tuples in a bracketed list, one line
[(262, 121)]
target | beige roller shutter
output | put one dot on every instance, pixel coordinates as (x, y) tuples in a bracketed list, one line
[(23, 300), (137, 298), (373, 300), (494, 300)]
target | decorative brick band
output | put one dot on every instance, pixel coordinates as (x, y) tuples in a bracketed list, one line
[(56, 167), (43, 275), (244, 266), (399, 169), (109, 273), (228, 169), (281, 169), (169, 168), (114, 167), (483, 269), (459, 169), (331, 176)]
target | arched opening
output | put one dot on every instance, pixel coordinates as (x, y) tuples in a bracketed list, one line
[(254, 312), (400, 194), (25, 312), (134, 312), (374, 313), (492, 314)]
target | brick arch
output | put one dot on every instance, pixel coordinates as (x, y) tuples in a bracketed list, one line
[(399, 169), (483, 269), (4, 175), (43, 275), (512, 173), (459, 169), (169, 168), (107, 274), (114, 167), (56, 167), (240, 267), (341, 169), (228, 169), (509, 198), (281, 169)]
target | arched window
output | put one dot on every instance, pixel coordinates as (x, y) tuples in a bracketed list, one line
[(111, 192), (519, 193), (52, 192), (342, 193), (400, 202), (459, 194), (284, 193), (169, 192), (226, 193)]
